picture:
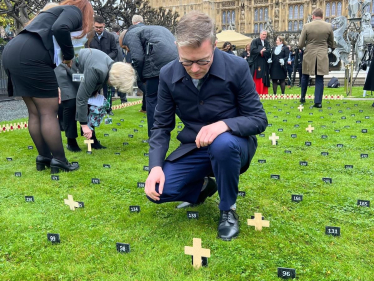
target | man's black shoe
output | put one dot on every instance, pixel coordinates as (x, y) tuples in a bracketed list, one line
[(73, 148), (302, 100), (228, 227), (372, 105), (97, 145), (208, 189), (318, 105)]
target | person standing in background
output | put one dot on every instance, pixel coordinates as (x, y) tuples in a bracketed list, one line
[(278, 71), (260, 52), (316, 36), (116, 29), (105, 42), (246, 53), (227, 48)]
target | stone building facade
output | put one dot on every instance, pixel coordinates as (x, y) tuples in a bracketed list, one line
[(250, 16)]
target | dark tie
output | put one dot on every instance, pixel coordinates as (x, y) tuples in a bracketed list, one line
[(199, 84)]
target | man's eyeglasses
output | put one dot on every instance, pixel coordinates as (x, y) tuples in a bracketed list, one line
[(199, 62), (191, 62), (99, 27)]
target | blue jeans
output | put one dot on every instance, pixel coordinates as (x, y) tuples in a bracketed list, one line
[(224, 158)]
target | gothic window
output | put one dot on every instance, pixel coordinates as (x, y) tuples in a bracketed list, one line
[(339, 9), (228, 17), (333, 9), (296, 12), (327, 9), (256, 27), (372, 7), (327, 20), (260, 16), (372, 21)]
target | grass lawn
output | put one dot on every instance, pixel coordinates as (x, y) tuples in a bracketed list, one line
[(157, 235)]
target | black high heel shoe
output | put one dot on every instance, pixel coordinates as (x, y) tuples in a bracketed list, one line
[(41, 162), (57, 165)]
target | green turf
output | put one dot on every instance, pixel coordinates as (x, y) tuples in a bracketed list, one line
[(157, 235)]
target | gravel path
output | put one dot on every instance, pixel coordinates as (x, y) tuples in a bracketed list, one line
[(11, 110)]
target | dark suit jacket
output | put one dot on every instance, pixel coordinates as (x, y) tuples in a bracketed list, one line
[(106, 44), (228, 94), (58, 21)]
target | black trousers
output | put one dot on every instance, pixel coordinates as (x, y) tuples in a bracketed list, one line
[(70, 124), (151, 99), (141, 86)]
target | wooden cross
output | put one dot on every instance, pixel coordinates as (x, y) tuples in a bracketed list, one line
[(88, 142), (257, 222), (301, 107), (197, 252), (274, 138), (72, 204), (310, 128)]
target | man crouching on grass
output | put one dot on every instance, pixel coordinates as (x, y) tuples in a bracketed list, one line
[(214, 95)]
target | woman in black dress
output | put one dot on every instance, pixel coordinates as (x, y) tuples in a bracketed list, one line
[(278, 70), (29, 61)]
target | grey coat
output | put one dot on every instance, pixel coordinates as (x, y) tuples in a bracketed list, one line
[(65, 82), (95, 66)]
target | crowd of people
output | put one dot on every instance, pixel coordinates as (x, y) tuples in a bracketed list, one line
[(65, 55)]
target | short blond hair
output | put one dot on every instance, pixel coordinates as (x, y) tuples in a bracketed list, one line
[(137, 19), (122, 76)]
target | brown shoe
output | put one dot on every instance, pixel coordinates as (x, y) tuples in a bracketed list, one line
[(142, 111)]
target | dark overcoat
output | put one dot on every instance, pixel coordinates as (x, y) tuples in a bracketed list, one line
[(227, 94), (259, 63), (277, 71)]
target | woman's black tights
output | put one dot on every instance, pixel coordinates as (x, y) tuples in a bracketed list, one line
[(282, 83), (44, 127)]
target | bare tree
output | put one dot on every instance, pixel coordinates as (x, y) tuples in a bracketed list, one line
[(121, 12), (114, 12), (21, 11)]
